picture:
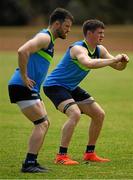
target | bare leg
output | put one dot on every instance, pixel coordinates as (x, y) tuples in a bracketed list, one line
[(73, 114), (97, 114), (34, 113), (37, 137)]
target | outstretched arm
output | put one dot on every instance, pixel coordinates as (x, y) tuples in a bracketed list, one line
[(116, 65), (81, 54)]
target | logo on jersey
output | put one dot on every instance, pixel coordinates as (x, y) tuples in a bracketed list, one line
[(50, 50), (34, 94)]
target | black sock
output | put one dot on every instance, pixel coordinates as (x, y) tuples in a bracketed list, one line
[(62, 150), (90, 148), (30, 158)]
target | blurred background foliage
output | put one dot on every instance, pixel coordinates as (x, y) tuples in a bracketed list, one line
[(31, 12)]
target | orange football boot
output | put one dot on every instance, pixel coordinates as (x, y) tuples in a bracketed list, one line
[(93, 157), (65, 160)]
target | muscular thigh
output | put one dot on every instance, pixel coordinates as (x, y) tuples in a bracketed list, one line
[(90, 109), (35, 111)]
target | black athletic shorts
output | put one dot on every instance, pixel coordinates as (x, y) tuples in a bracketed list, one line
[(58, 94), (21, 93)]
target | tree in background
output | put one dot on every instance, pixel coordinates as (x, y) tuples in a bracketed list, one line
[(45, 7), (109, 11), (14, 12)]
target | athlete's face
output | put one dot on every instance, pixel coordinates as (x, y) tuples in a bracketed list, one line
[(97, 36), (64, 28)]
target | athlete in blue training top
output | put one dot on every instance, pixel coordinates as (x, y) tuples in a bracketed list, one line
[(61, 86), (34, 58)]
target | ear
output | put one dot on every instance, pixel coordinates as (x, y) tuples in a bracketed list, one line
[(57, 23), (88, 33)]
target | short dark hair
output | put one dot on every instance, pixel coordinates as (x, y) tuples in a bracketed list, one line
[(60, 14), (92, 25)]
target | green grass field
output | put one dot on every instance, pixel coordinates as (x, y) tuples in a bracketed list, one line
[(112, 90)]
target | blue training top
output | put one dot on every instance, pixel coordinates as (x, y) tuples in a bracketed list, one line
[(70, 72), (37, 66)]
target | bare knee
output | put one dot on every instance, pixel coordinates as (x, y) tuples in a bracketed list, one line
[(100, 115), (46, 124), (75, 117), (42, 127)]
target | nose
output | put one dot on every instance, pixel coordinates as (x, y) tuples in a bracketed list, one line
[(102, 35), (69, 29)]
